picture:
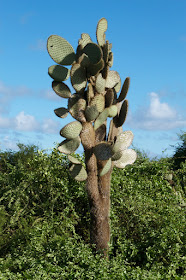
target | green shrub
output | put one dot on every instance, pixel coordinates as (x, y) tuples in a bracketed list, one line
[(44, 220)]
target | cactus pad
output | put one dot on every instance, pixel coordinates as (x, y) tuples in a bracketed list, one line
[(69, 146), (124, 90), (123, 141), (58, 73), (94, 69), (103, 151), (60, 50), (78, 77), (112, 79), (128, 157), (61, 89), (85, 39), (112, 111), (94, 52), (123, 113), (61, 112), (99, 101), (109, 97), (106, 168), (100, 84), (78, 172), (73, 160), (117, 86), (77, 106), (91, 113), (100, 31), (71, 130), (101, 119)]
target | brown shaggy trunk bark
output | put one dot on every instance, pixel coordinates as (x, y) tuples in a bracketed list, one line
[(98, 190)]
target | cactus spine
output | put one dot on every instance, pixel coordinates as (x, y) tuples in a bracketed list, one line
[(94, 101)]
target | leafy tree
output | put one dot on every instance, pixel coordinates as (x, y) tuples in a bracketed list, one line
[(180, 151), (94, 101)]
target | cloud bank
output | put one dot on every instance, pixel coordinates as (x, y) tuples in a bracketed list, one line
[(157, 116)]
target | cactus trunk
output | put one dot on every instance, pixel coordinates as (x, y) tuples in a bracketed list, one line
[(98, 189)]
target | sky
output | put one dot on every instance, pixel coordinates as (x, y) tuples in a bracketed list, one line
[(149, 45)]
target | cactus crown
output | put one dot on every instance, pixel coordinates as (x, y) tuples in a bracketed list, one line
[(95, 99)]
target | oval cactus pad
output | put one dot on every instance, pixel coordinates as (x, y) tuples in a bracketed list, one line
[(100, 31), (71, 130), (69, 146), (78, 172), (60, 50), (103, 151), (128, 157), (61, 112), (61, 89), (58, 73)]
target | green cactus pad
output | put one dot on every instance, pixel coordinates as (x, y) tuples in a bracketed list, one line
[(117, 86), (99, 101), (128, 157), (85, 39), (73, 160), (100, 84), (123, 113), (78, 172), (71, 130), (116, 156), (103, 151), (60, 50), (101, 119), (69, 146), (112, 79), (83, 60), (77, 106), (123, 141), (112, 111), (94, 52), (100, 31), (78, 77), (106, 168), (109, 97), (124, 90), (94, 69), (61, 89), (58, 73), (91, 113), (61, 112)]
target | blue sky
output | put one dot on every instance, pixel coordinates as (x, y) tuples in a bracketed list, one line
[(149, 46)]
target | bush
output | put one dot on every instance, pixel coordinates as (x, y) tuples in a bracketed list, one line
[(44, 225)]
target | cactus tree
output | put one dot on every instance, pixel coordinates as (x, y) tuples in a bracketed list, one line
[(95, 104)]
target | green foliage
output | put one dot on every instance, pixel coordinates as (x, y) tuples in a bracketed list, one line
[(44, 220), (180, 151)]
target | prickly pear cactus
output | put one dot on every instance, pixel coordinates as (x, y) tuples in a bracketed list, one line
[(96, 99)]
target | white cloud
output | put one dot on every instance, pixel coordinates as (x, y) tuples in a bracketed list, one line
[(157, 116), (158, 110), (25, 122)]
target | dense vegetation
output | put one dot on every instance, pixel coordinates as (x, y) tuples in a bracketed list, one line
[(44, 217)]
